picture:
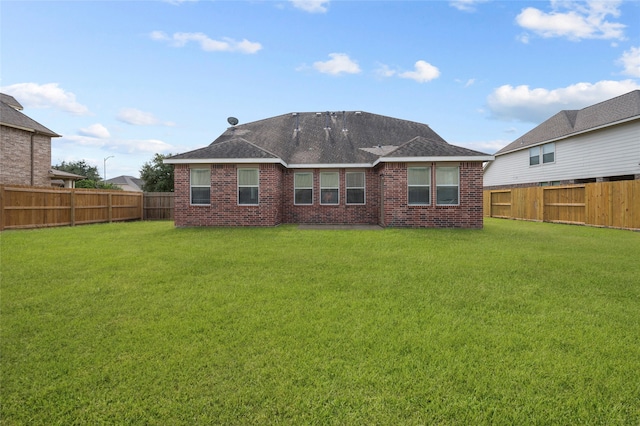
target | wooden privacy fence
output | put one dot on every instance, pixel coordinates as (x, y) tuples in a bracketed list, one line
[(32, 207), (607, 204), (158, 205)]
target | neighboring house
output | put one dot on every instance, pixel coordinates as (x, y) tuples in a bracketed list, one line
[(595, 144), (329, 168), (127, 183), (63, 179), (25, 147)]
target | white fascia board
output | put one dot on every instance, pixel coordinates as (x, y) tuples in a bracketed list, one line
[(331, 166), (482, 158), (225, 161), (570, 135)]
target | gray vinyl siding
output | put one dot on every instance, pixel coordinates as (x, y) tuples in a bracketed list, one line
[(607, 152)]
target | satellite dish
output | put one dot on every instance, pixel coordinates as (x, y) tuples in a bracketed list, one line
[(232, 120)]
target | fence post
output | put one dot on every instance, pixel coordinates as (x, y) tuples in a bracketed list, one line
[(72, 217), (2, 215), (109, 207)]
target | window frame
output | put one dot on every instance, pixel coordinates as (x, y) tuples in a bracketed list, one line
[(192, 186), (457, 186), (296, 188), (553, 152), (535, 149), (256, 186), (428, 185), (362, 188), (330, 188)]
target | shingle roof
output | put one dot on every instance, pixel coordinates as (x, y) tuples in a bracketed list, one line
[(11, 117), (568, 122), (11, 101), (345, 137)]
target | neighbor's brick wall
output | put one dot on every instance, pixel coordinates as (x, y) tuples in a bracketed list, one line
[(397, 211), (15, 157), (316, 213), (224, 209)]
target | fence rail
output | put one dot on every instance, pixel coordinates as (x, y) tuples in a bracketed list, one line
[(24, 207), (158, 205), (606, 204)]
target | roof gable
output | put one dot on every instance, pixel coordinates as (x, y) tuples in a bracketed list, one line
[(568, 122), (11, 117), (345, 137)]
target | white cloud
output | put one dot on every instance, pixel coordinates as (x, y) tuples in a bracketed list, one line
[(424, 72), (573, 20), (123, 146), (466, 5), (207, 44), (140, 118), (50, 95), (489, 147), (384, 71), (630, 60), (95, 130), (536, 105), (338, 64), (311, 6)]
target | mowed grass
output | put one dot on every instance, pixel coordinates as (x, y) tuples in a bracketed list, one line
[(143, 323)]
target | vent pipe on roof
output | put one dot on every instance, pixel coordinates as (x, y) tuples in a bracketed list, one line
[(344, 122), (326, 121)]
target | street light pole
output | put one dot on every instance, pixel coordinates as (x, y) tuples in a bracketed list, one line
[(104, 167)]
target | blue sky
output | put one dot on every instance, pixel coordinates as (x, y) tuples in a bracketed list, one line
[(129, 79)]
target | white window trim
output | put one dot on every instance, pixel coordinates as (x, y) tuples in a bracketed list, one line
[(437, 186), (429, 185), (531, 156), (347, 188), (191, 186), (542, 153), (295, 188), (238, 186), (337, 203)]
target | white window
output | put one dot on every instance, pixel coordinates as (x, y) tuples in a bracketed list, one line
[(534, 156), (549, 153), (329, 186), (447, 185), (200, 182), (303, 188), (419, 183), (248, 186), (355, 187)]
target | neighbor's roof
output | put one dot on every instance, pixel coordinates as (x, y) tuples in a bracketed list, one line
[(131, 181), (569, 122), (329, 139), (55, 173), (11, 117)]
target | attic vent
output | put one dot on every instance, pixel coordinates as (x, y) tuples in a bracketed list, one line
[(358, 112), (318, 114)]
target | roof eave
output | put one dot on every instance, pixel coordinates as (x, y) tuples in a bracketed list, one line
[(224, 161), (482, 158), (26, 129), (581, 132)]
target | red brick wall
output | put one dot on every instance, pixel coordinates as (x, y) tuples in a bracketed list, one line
[(224, 209), (316, 213), (397, 211), (15, 158), (277, 192)]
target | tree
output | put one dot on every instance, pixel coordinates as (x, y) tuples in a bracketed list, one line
[(157, 176), (91, 174)]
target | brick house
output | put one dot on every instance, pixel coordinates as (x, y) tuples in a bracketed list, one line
[(329, 168), (25, 147)]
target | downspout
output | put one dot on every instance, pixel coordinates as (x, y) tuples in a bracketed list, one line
[(32, 158)]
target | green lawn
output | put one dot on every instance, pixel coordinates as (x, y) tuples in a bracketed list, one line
[(143, 323)]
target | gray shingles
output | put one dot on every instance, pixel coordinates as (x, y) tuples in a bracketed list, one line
[(567, 122), (328, 138), (11, 117)]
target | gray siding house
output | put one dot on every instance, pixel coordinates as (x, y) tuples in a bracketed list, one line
[(598, 143)]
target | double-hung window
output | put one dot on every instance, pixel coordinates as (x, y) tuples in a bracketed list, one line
[(248, 183), (355, 187), (200, 182), (419, 183), (534, 156), (329, 186), (303, 188), (447, 185), (549, 153)]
